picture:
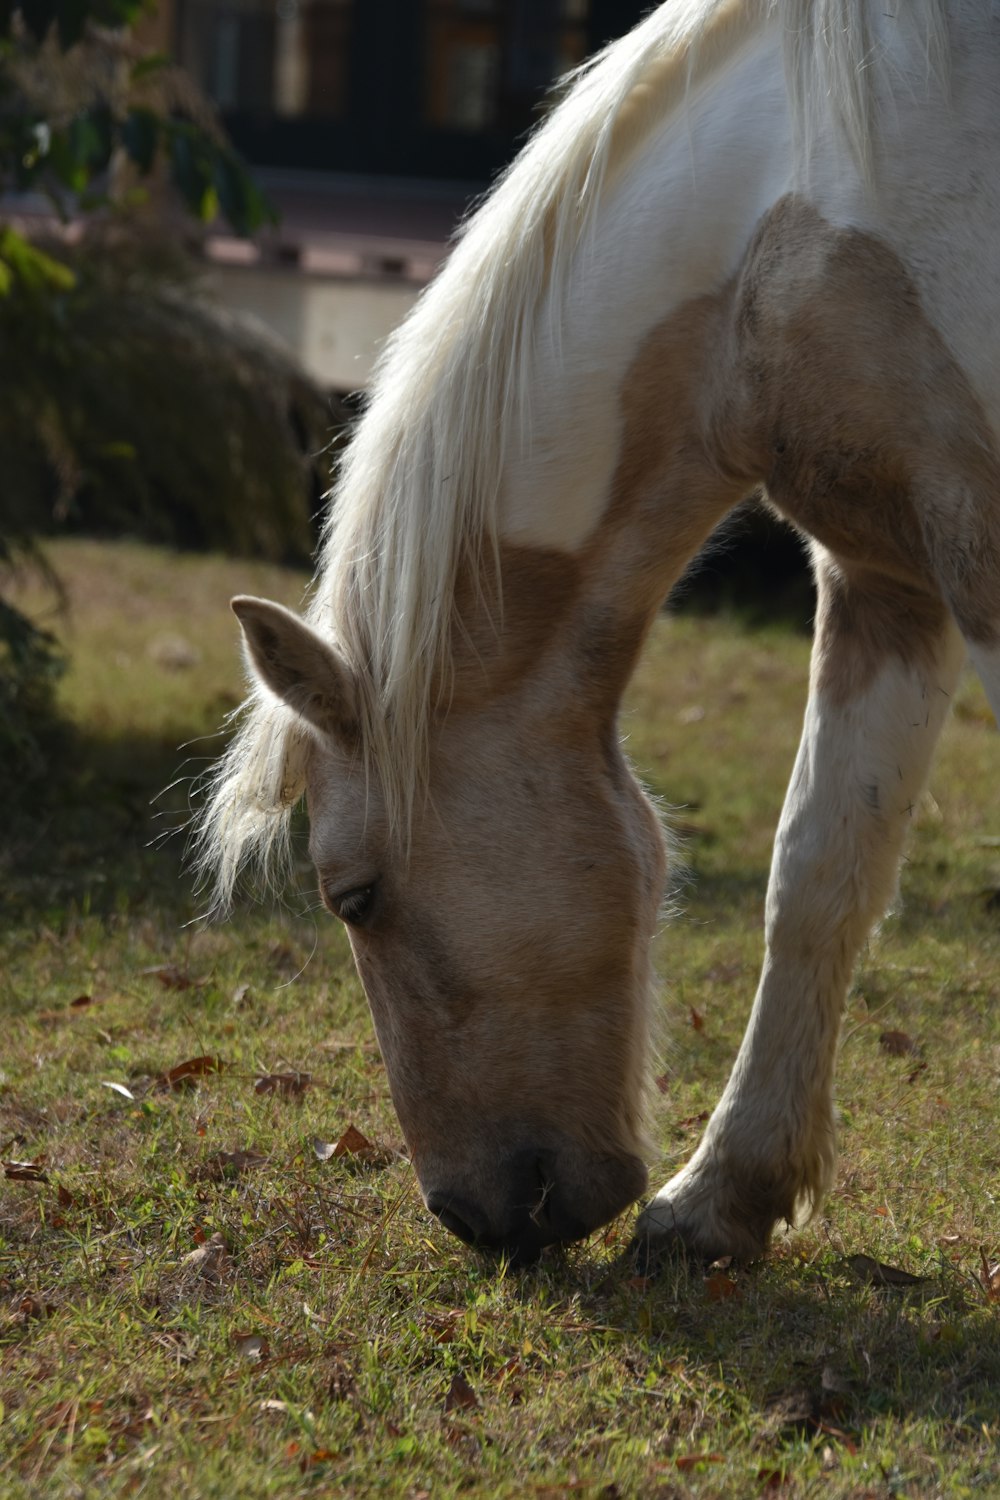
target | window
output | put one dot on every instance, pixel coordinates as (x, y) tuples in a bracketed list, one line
[(288, 58), (487, 63)]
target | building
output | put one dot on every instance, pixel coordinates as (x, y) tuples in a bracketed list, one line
[(372, 124)]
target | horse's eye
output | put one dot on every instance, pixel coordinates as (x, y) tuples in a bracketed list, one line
[(354, 906)]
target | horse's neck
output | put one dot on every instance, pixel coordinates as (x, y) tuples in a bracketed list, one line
[(671, 227)]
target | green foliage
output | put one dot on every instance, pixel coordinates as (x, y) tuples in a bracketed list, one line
[(129, 404), (77, 101), (110, 379)]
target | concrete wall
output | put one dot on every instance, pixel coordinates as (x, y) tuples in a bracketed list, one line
[(334, 325)]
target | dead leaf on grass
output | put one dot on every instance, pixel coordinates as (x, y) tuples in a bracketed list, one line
[(210, 1260), (355, 1147), (119, 1088), (460, 1396), (26, 1171), (173, 978), (252, 1346), (286, 1085), (223, 1164), (875, 1273), (692, 1460), (697, 1020), (82, 1001), (989, 1276), (185, 1073), (720, 1288), (898, 1044)]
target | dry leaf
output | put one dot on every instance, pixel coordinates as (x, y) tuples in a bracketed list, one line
[(720, 1288), (357, 1147), (990, 1277), (185, 1073), (223, 1164), (252, 1346), (81, 1002), (288, 1085), (692, 1460), (898, 1044), (26, 1171), (119, 1088), (876, 1274), (210, 1260), (460, 1396), (173, 978), (697, 1020)]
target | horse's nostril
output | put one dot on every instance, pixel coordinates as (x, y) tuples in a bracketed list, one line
[(458, 1217)]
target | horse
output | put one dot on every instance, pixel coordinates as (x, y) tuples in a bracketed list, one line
[(751, 248)]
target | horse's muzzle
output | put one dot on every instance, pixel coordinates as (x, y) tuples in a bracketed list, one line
[(540, 1198)]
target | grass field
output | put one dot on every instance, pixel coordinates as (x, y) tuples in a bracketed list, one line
[(216, 1275)]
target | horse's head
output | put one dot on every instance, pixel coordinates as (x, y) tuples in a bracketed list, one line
[(503, 940)]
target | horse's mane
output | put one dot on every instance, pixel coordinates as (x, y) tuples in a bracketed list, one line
[(415, 500)]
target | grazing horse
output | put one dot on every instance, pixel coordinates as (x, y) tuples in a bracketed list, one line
[(754, 246)]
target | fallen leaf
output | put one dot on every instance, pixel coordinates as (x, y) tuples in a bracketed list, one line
[(876, 1274), (990, 1277), (173, 978), (691, 1121), (26, 1171), (65, 1197), (663, 1083), (119, 1088), (253, 1346), (210, 1260), (355, 1146), (692, 1460), (720, 1288), (185, 1073), (898, 1044), (697, 1020), (223, 1164), (81, 1002), (35, 1307), (771, 1479), (460, 1396), (288, 1085)]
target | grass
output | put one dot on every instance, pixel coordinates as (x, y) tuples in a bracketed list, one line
[(197, 1297)]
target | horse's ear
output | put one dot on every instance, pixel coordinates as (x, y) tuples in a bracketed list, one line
[(299, 667)]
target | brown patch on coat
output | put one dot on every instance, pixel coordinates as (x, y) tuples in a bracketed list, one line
[(817, 373), (860, 622), (862, 425), (814, 372)]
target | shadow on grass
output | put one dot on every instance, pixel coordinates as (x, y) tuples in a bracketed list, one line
[(811, 1349), (103, 831)]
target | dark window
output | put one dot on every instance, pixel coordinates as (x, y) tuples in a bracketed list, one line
[(432, 88)]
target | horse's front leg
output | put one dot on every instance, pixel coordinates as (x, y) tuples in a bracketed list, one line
[(884, 666)]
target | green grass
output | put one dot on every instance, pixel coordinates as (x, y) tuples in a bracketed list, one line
[(334, 1339)]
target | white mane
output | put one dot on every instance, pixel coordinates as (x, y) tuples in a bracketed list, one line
[(416, 498)]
